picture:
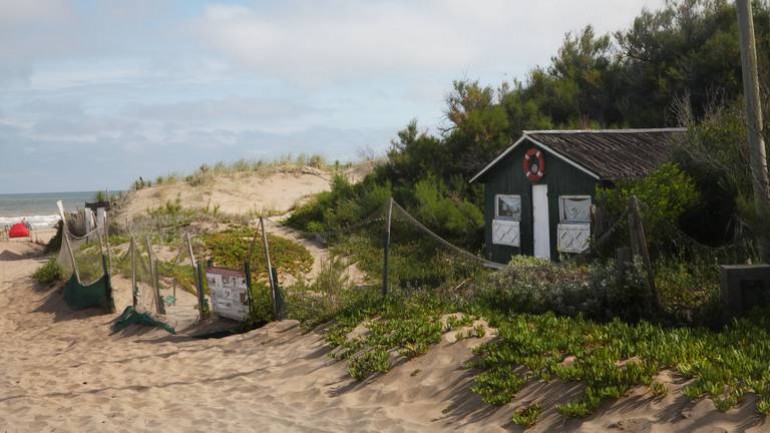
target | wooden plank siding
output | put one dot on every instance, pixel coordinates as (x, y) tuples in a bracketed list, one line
[(508, 177)]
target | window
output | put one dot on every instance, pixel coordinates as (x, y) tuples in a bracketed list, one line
[(508, 207), (575, 208)]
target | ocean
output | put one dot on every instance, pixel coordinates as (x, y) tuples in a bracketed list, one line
[(40, 208)]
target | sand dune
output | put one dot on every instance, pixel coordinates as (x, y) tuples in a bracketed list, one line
[(64, 371), (274, 190)]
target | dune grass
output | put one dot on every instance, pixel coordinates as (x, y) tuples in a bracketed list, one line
[(206, 173)]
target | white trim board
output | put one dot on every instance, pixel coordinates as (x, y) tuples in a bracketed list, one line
[(551, 151), (526, 133)]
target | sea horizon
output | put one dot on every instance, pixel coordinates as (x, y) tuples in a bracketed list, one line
[(39, 208)]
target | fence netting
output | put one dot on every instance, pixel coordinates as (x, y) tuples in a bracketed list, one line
[(82, 259)]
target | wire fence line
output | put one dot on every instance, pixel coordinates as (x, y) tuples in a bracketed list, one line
[(465, 254), (159, 269)]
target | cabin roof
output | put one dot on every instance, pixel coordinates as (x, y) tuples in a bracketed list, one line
[(606, 154)]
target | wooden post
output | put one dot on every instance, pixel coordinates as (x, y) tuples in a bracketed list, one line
[(108, 283), (623, 259), (134, 288), (67, 240), (190, 249), (159, 307), (644, 252), (202, 303), (280, 304), (198, 278), (107, 244), (249, 287), (269, 266), (386, 265), (757, 152)]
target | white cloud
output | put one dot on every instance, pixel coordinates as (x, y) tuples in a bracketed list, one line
[(148, 87), (15, 12), (330, 41)]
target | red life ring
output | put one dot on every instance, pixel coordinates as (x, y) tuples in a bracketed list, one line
[(534, 171)]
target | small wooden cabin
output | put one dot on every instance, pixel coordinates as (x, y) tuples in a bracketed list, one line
[(539, 191)]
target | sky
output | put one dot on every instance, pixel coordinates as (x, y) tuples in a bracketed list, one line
[(94, 94)]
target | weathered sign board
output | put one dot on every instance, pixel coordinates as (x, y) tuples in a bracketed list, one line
[(229, 293)]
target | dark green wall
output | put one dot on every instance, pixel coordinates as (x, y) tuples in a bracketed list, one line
[(507, 177)]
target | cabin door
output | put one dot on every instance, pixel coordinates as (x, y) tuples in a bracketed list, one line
[(541, 222)]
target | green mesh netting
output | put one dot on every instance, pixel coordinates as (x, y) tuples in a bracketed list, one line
[(130, 317), (96, 294)]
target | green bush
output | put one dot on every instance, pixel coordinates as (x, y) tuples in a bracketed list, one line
[(665, 195), (49, 273), (313, 304), (527, 416), (54, 244), (459, 220), (535, 285), (230, 248), (346, 204)]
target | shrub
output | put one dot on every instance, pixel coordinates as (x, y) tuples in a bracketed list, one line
[(230, 248), (527, 416), (49, 273), (535, 285), (457, 219), (54, 244), (373, 361), (313, 304), (665, 195)]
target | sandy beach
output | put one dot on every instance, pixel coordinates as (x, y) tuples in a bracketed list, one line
[(65, 371)]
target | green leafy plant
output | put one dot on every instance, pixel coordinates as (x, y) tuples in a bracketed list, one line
[(373, 361), (527, 416), (50, 272), (658, 389), (665, 194)]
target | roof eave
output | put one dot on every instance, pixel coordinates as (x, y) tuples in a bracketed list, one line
[(525, 136)]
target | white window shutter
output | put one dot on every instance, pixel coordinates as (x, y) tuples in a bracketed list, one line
[(573, 238), (506, 232)]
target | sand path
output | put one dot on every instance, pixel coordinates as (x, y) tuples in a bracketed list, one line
[(64, 371)]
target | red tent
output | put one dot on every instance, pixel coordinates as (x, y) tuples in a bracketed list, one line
[(18, 230)]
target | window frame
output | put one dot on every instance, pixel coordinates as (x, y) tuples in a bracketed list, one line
[(497, 207), (574, 196)]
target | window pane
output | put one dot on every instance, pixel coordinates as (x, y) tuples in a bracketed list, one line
[(509, 207), (575, 209)]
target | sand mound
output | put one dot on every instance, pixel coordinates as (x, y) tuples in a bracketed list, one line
[(65, 370), (274, 191), (19, 250)]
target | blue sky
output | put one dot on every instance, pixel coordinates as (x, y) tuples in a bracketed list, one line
[(94, 94)]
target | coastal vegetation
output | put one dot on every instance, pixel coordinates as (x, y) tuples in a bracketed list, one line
[(49, 273), (587, 320), (206, 173)]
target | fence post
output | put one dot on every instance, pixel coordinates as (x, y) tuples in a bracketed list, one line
[(279, 301), (202, 302), (269, 266), (134, 288), (638, 230), (386, 265), (249, 294), (66, 240), (159, 307), (108, 283), (198, 271)]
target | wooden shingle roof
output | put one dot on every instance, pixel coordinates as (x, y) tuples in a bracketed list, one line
[(607, 154)]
